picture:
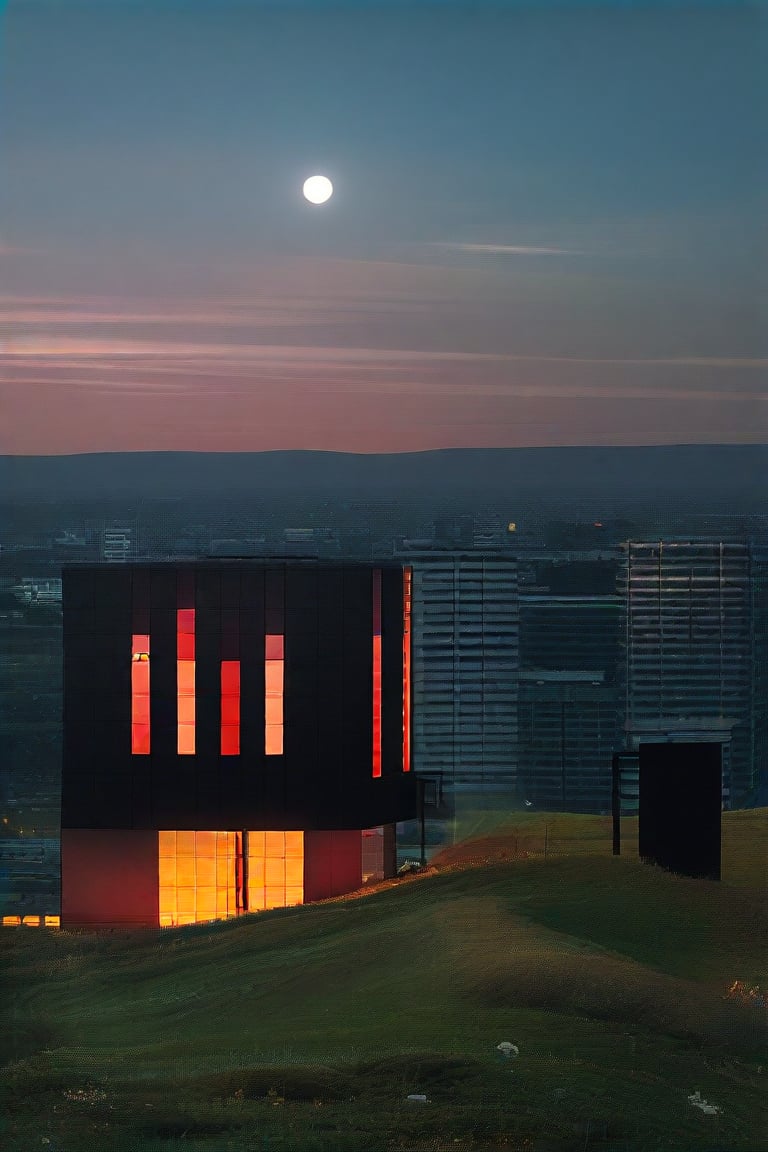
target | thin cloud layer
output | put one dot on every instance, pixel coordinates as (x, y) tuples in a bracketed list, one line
[(509, 249), (66, 351), (368, 355)]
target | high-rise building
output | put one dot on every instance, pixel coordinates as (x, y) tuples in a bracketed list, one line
[(759, 705), (231, 729), (688, 650), (570, 633), (465, 667), (566, 738), (570, 624)]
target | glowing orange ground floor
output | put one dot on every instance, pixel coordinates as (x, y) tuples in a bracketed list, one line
[(31, 921), (134, 878)]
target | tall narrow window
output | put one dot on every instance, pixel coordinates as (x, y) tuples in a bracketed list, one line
[(377, 672), (185, 680), (407, 594), (274, 666), (229, 732), (140, 695), (230, 707)]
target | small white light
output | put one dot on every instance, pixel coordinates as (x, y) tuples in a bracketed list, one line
[(317, 189)]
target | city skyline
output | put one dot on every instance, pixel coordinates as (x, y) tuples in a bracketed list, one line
[(544, 229)]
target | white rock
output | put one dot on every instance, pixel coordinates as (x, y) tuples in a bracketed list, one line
[(507, 1049), (696, 1100), (418, 1098)]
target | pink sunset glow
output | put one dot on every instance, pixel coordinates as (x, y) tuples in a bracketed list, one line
[(356, 356)]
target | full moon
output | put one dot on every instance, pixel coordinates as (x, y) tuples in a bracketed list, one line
[(317, 189)]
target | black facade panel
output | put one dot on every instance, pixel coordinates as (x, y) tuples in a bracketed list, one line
[(680, 807), (331, 718), (79, 803), (109, 647), (174, 785), (162, 621), (208, 799), (252, 620), (111, 705), (185, 587), (324, 777), (207, 685), (80, 622), (163, 591), (273, 789), (229, 633), (162, 681), (207, 590), (356, 736), (252, 601), (141, 801), (230, 777), (274, 600), (115, 795), (80, 677), (141, 587), (302, 588), (252, 699), (114, 589), (230, 587), (207, 622), (113, 618), (301, 671), (141, 621)]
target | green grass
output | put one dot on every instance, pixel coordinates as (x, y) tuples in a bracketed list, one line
[(307, 1028)]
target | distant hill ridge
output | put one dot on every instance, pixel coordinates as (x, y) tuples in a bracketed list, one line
[(726, 470)]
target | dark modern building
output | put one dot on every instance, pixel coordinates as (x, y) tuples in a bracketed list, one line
[(759, 703), (567, 733), (236, 735), (690, 652), (571, 621), (680, 806), (465, 668)]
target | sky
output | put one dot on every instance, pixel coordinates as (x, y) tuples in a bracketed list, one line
[(547, 226)]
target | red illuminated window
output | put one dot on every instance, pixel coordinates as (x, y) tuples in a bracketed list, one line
[(140, 695), (274, 666), (377, 672), (185, 681), (407, 594), (230, 707)]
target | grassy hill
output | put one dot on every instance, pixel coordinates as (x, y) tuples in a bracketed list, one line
[(307, 1028)]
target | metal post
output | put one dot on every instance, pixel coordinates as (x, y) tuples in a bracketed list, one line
[(616, 802), (245, 870), (562, 753)]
